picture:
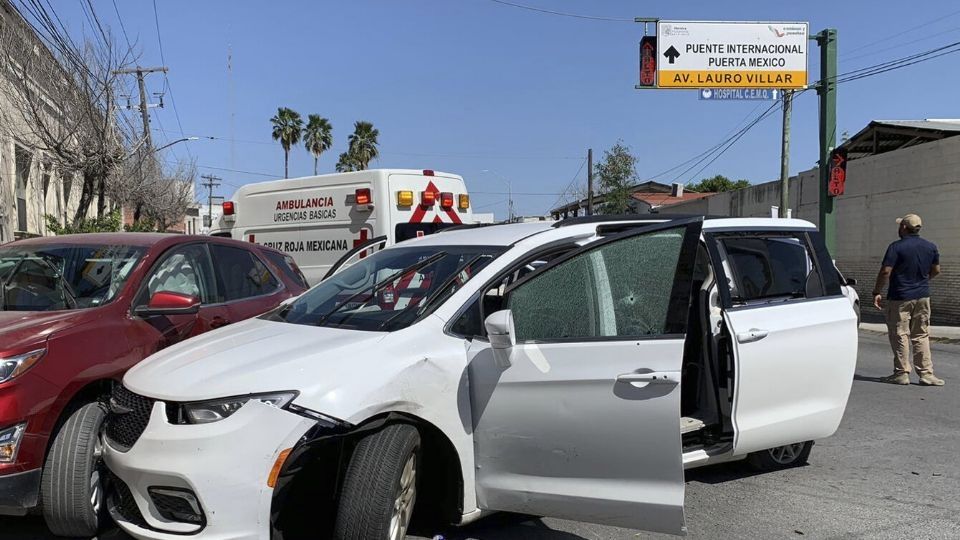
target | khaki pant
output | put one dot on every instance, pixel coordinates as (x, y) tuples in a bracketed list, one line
[(909, 320)]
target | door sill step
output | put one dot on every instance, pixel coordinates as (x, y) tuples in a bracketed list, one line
[(689, 425)]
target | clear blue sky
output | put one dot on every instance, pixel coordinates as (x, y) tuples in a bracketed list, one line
[(468, 85)]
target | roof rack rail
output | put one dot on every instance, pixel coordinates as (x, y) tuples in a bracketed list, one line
[(579, 220), (463, 226)]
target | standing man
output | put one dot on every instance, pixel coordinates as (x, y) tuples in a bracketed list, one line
[(909, 264)]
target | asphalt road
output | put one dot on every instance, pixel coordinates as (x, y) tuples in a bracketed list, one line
[(892, 471)]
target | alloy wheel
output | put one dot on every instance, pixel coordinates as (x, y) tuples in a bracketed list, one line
[(406, 497), (787, 454)]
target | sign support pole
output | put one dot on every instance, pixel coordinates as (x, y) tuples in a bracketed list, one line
[(827, 90), (785, 154)]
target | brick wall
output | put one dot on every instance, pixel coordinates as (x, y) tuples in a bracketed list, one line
[(923, 179)]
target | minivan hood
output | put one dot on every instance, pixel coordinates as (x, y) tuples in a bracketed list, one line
[(249, 357), (27, 328)]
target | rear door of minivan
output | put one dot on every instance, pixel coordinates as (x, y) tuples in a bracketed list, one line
[(793, 332)]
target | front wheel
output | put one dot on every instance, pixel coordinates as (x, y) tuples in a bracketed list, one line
[(380, 486), (71, 485), (781, 457)]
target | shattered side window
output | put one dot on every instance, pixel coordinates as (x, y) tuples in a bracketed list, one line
[(621, 289)]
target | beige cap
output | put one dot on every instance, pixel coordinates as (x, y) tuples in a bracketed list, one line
[(912, 221)]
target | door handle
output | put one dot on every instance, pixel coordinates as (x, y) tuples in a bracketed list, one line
[(217, 322), (660, 377), (751, 335)]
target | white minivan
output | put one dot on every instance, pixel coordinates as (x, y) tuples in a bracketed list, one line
[(570, 369), (317, 219)]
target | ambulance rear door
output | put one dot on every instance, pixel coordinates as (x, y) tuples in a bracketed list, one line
[(424, 202)]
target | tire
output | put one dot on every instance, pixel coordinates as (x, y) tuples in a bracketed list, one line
[(71, 487), (781, 457), (382, 475)]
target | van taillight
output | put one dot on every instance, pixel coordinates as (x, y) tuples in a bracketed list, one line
[(362, 196), (228, 208), (446, 200), (428, 198), (464, 201), (427, 172)]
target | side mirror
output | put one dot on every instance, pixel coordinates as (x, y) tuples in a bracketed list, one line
[(852, 282), (169, 303), (499, 327)]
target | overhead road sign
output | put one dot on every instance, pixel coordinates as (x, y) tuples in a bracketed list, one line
[(694, 54), (732, 94)]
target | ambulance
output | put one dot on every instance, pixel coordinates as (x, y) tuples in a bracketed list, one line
[(319, 219)]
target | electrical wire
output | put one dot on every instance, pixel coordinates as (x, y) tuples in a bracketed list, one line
[(166, 80), (561, 13), (569, 186), (887, 38)]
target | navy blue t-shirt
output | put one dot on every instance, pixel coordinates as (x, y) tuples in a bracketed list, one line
[(911, 258)]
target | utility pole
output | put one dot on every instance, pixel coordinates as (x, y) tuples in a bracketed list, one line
[(211, 182), (785, 154), (144, 105), (827, 90), (589, 181)]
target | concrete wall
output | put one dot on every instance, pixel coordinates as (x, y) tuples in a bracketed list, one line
[(923, 179)]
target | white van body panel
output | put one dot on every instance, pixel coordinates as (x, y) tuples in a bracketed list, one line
[(316, 220)]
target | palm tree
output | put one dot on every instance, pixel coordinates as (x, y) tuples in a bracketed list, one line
[(286, 129), (348, 163), (317, 137), (363, 143)]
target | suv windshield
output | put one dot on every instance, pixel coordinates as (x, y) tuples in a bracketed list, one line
[(52, 277), (389, 290)]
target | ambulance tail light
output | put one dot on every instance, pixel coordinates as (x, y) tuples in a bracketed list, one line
[(446, 200), (464, 201), (228, 208), (362, 196), (428, 172), (404, 198), (428, 198)]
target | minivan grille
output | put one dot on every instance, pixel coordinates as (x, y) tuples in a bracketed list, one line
[(128, 418)]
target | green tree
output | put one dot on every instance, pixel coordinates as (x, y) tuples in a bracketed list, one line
[(363, 144), (717, 184), (616, 173), (317, 137), (287, 126), (348, 163)]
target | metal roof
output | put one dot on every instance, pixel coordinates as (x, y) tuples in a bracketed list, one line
[(887, 135)]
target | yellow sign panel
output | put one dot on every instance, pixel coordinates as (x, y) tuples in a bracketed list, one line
[(731, 79), (703, 54)]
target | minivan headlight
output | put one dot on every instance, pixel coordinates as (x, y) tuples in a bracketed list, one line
[(205, 412), (14, 366)]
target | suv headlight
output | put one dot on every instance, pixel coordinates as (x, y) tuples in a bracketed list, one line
[(14, 366), (204, 412)]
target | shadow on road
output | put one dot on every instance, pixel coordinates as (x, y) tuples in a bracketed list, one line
[(881, 380), (503, 526)]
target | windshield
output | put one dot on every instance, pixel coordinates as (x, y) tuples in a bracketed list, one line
[(389, 290), (52, 277)]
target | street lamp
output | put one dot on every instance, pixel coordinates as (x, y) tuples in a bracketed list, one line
[(168, 145), (509, 192)]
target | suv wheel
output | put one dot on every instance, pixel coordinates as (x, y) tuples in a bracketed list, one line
[(380, 486), (72, 483), (781, 457)]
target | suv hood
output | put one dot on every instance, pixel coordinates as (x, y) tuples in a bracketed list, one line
[(20, 329), (249, 357)]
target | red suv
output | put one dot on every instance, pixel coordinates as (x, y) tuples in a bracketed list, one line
[(75, 313)]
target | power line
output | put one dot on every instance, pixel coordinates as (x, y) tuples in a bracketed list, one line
[(561, 13), (570, 185), (899, 63), (908, 30), (166, 80), (122, 27)]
